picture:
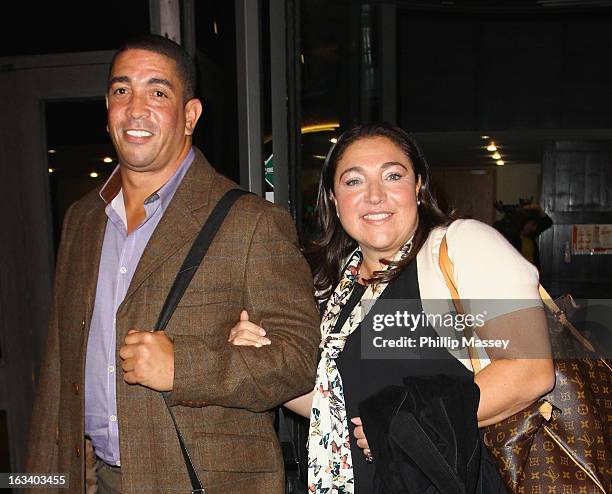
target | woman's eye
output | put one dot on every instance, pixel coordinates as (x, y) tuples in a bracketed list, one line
[(394, 176), (352, 181)]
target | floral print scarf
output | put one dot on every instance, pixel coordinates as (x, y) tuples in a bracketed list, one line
[(330, 466)]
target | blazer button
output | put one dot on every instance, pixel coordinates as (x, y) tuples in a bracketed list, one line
[(75, 388), (83, 324), (77, 450)]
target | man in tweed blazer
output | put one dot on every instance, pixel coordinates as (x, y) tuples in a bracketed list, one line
[(221, 394)]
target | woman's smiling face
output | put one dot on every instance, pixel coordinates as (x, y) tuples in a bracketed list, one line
[(375, 193)]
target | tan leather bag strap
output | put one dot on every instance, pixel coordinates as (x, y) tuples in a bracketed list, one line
[(562, 318), (446, 266)]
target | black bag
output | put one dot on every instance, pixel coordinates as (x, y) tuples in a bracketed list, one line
[(293, 436)]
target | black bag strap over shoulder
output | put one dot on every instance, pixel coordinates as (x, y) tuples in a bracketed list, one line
[(196, 254), (181, 282)]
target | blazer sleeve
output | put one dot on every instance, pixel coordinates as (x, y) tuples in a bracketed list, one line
[(278, 295), (42, 456)]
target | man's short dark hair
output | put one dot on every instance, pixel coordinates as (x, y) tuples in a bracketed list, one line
[(164, 46)]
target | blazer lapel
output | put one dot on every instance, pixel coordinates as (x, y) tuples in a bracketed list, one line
[(92, 238), (178, 225)]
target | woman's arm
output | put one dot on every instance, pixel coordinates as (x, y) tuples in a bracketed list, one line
[(246, 333), (486, 268), (516, 376), (301, 405), (520, 374), (509, 386)]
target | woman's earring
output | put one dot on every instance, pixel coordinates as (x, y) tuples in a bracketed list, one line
[(337, 214), (418, 202)]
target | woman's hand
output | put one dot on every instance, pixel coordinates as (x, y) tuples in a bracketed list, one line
[(246, 333), (359, 434)]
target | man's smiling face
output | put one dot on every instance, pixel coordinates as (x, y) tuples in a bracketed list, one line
[(148, 119)]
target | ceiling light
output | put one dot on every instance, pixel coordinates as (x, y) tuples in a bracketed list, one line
[(94, 175), (496, 156), (484, 137), (322, 127), (51, 170), (302, 58), (500, 162), (215, 27), (333, 140), (491, 147), (51, 151), (107, 159)]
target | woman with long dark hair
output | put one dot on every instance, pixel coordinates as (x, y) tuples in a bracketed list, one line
[(380, 235)]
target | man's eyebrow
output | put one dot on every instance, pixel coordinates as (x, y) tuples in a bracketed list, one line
[(118, 78), (151, 81), (163, 82)]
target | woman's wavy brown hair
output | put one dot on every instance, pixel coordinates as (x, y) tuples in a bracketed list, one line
[(331, 245)]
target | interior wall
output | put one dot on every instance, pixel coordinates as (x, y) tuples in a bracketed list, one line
[(469, 191), (518, 181)]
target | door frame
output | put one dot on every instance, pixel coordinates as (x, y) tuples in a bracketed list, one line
[(27, 251)]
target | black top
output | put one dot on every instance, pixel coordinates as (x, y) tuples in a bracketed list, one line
[(362, 377)]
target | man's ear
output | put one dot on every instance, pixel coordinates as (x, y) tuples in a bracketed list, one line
[(106, 101), (193, 110)]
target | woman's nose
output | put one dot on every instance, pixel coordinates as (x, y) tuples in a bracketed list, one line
[(375, 192)]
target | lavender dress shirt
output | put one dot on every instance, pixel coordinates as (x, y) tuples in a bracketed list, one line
[(119, 258)]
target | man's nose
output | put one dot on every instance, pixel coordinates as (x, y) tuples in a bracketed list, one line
[(138, 107)]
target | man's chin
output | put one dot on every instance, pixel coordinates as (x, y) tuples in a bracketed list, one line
[(136, 161), (137, 165)]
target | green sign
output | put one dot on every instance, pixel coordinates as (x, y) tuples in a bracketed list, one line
[(269, 170)]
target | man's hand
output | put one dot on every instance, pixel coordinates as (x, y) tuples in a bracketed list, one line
[(148, 359)]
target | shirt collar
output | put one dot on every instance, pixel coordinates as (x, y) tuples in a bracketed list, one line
[(112, 186)]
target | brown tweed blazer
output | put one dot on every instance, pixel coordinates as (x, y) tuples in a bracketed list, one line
[(222, 393)]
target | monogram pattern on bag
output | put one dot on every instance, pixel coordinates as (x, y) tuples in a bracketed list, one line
[(571, 453)]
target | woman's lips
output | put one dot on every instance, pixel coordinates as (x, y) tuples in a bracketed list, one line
[(376, 217)]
